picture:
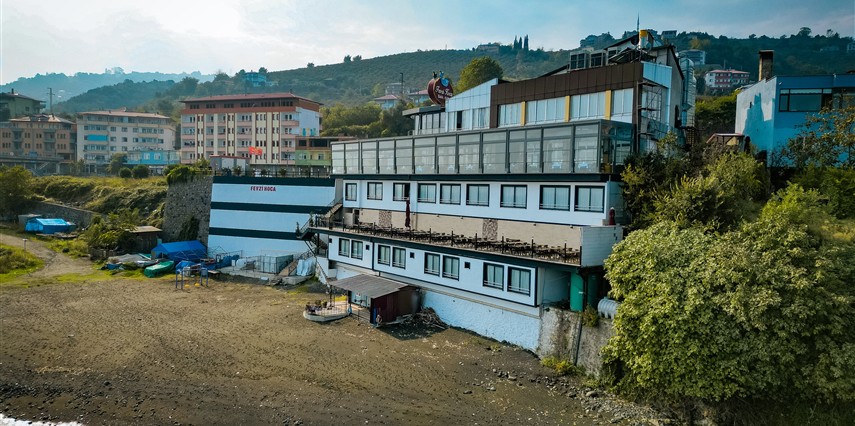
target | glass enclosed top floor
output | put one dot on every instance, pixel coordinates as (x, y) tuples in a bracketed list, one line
[(582, 147)]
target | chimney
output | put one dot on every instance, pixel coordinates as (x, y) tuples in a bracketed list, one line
[(765, 72)]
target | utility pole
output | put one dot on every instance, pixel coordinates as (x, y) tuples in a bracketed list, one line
[(402, 87), (50, 92)]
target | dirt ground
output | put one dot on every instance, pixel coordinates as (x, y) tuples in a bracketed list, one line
[(132, 351)]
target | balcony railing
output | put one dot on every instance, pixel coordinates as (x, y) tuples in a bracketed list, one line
[(529, 249)]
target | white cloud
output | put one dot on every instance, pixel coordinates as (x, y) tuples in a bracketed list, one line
[(210, 35)]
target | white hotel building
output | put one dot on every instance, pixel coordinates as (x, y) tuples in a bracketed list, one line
[(507, 201)]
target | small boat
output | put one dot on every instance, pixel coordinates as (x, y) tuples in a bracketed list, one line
[(159, 269)]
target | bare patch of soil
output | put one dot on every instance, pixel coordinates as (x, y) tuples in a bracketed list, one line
[(124, 351)]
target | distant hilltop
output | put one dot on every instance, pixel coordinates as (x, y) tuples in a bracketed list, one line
[(67, 86)]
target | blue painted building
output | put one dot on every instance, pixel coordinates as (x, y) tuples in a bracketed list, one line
[(156, 160), (771, 111)]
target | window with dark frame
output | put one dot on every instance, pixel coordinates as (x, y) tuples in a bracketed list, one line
[(589, 198), (450, 267), (514, 196), (494, 276), (400, 191), (427, 193), (356, 249), (478, 195), (449, 194), (350, 192), (399, 257), (375, 191), (431, 264), (384, 255), (555, 197), (344, 247), (519, 281)]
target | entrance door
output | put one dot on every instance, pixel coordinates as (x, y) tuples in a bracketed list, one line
[(577, 293)]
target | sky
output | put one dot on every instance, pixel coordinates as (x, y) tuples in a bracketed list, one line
[(171, 36)]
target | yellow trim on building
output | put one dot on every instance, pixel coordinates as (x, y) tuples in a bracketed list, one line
[(567, 108), (608, 111), (522, 113)]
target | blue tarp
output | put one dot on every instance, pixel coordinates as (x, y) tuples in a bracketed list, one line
[(305, 267), (181, 250), (47, 226)]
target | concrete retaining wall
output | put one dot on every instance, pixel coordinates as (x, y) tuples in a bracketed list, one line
[(492, 322), (560, 331), (51, 210), (185, 200)]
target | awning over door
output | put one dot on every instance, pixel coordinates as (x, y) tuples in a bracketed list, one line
[(370, 286)]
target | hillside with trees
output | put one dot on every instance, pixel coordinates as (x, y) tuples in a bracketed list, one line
[(66, 87), (357, 80)]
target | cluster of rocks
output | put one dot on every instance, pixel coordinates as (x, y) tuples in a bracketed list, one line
[(598, 404)]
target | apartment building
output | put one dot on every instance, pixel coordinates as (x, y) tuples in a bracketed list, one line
[(725, 79), (15, 105), (101, 134), (261, 127), (42, 143)]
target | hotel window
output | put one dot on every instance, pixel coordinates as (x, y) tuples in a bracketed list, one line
[(344, 247), (356, 249), (384, 255), (513, 196), (351, 158), (557, 150), (586, 160), (588, 106), (494, 276), (495, 151), (375, 190), (622, 104), (544, 111), (555, 198), (446, 154), (598, 59), (431, 264), (578, 61), (450, 267), (427, 193), (350, 192), (404, 156), (386, 157), (510, 114), (399, 257), (425, 155), (369, 157), (400, 192), (469, 153), (449, 194), (519, 281), (478, 195), (589, 198)]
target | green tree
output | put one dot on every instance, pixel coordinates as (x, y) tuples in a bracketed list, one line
[(725, 193), (394, 123), (360, 121), (715, 115), (117, 162), (827, 139), (762, 311), (113, 232), (140, 171), (478, 71), (16, 190), (125, 173)]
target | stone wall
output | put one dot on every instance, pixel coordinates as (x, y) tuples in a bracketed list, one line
[(185, 200), (560, 332), (82, 218)]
